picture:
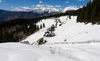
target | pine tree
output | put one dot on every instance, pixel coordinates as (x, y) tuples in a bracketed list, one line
[(98, 18), (93, 17), (1, 36), (69, 16), (81, 15), (43, 25), (37, 27), (86, 13), (40, 26), (5, 37), (78, 17)]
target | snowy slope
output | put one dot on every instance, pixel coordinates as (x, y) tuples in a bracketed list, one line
[(70, 30), (82, 43), (70, 52)]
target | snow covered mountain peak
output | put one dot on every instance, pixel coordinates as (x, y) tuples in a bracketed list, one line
[(70, 8), (50, 10), (43, 9)]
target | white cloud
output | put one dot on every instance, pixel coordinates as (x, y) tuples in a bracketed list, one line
[(5, 4), (57, 5), (49, 6), (40, 5), (32, 6), (12, 7), (81, 6), (80, 0), (25, 7), (17, 9), (0, 1), (40, 2), (66, 2), (91, 0)]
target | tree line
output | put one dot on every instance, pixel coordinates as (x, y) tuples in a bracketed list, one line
[(18, 29), (90, 13)]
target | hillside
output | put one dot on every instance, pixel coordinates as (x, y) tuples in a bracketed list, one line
[(19, 29), (82, 43), (42, 34), (70, 30)]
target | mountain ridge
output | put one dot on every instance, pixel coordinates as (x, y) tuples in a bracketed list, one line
[(6, 15)]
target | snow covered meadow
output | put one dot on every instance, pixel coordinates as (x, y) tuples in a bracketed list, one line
[(70, 30), (72, 42)]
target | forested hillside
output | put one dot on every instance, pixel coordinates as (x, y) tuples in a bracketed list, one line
[(90, 13), (15, 30), (18, 29)]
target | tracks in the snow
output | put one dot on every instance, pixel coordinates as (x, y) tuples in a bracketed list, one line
[(87, 42)]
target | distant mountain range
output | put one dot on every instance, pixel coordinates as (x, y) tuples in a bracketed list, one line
[(6, 15)]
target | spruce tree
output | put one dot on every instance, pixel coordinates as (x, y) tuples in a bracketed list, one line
[(40, 26), (37, 27), (1, 36), (43, 25), (93, 17)]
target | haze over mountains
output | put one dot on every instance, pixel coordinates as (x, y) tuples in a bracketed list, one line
[(6, 15)]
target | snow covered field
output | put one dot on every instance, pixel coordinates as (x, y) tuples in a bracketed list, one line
[(82, 43), (70, 30), (61, 52)]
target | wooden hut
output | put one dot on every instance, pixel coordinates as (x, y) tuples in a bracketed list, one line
[(49, 34)]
